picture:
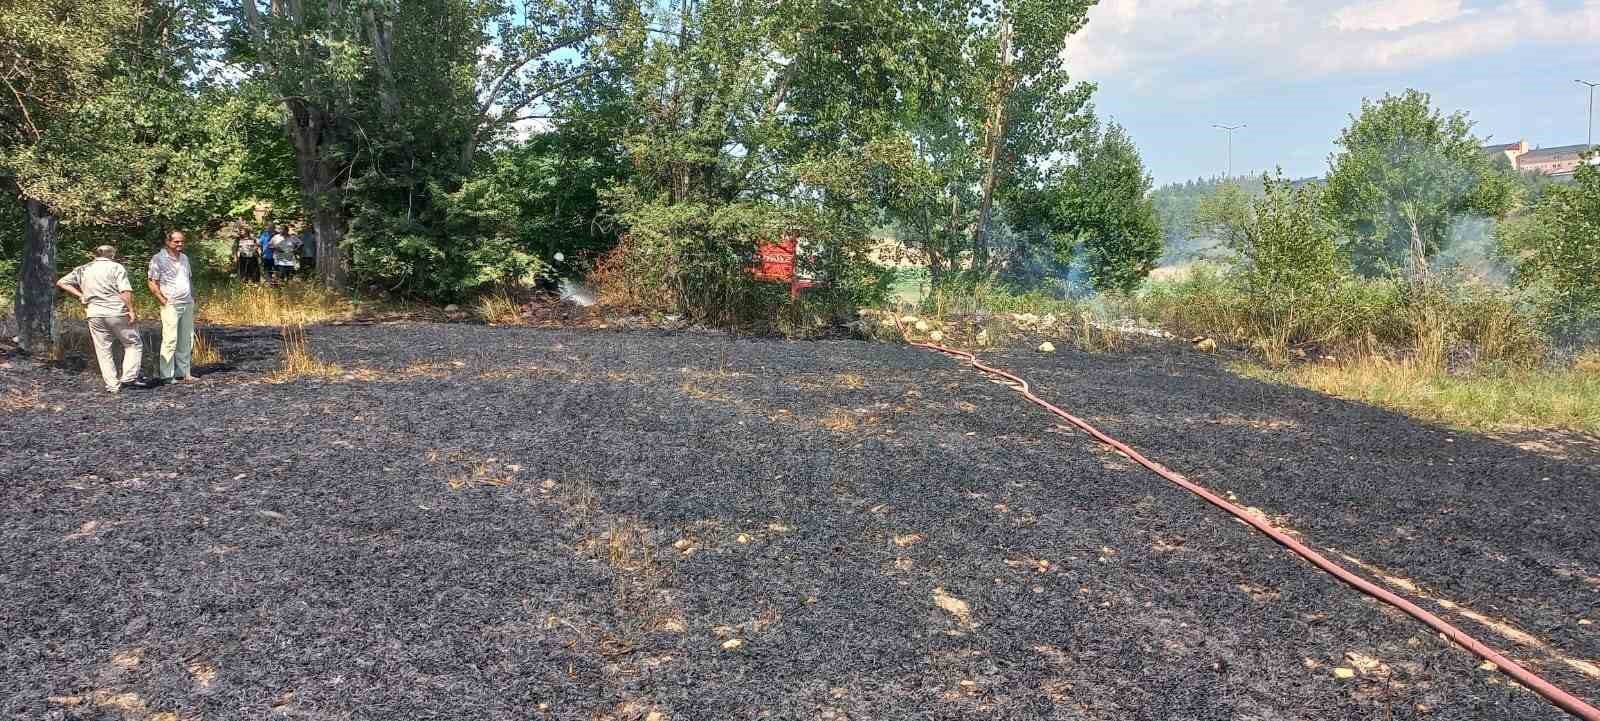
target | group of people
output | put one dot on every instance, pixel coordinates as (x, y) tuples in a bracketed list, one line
[(278, 252), (102, 286)]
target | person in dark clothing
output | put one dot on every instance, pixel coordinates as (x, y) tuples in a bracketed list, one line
[(247, 256)]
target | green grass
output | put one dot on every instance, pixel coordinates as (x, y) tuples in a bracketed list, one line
[(1546, 398)]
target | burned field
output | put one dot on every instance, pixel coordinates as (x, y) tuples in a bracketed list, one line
[(481, 523)]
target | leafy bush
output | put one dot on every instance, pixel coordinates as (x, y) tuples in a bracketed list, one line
[(1556, 251)]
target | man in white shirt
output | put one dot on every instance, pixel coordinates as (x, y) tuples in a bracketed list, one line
[(170, 284), (102, 286)]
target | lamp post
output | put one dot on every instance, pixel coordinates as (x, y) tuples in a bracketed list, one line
[(1229, 129), (1592, 86)]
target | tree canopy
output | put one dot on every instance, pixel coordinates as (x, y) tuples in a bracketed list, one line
[(1405, 171)]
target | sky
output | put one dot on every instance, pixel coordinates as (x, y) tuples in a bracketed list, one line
[(1294, 71)]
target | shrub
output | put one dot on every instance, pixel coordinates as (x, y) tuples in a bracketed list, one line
[(1556, 251)]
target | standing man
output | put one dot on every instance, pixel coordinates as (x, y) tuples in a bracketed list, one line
[(170, 283), (248, 256), (265, 239), (102, 286)]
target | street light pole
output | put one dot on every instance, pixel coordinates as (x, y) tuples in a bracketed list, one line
[(1591, 109), (1229, 129)]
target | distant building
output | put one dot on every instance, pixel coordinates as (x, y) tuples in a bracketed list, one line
[(1559, 163)]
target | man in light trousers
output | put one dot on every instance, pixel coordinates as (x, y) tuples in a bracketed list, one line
[(170, 284), (102, 286)]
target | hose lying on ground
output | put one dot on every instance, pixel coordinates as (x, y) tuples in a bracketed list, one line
[(1566, 701)]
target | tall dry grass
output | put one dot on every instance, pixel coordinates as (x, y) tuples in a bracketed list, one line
[(299, 361), (297, 302), (498, 307)]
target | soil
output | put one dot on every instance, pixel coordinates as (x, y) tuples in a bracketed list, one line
[(472, 522)]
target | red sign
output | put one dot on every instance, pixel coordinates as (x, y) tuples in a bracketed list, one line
[(775, 261)]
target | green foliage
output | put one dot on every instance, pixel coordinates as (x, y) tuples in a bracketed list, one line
[(1100, 213), (1556, 251), (1178, 204), (1404, 173)]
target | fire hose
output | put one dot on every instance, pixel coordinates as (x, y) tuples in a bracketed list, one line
[(1566, 701)]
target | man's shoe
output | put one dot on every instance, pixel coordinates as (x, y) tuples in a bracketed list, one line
[(143, 383), (189, 379), (113, 390)]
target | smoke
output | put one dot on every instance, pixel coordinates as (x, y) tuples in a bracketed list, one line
[(1469, 248), (575, 292)]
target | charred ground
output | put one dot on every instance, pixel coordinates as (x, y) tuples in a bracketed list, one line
[(485, 523)]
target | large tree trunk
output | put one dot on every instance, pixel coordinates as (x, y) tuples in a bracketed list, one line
[(1419, 255), (36, 291), (322, 188), (996, 138)]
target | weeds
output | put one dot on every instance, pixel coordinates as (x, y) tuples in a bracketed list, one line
[(296, 303), (499, 308), (298, 360)]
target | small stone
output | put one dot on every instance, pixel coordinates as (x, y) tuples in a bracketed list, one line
[(683, 544), (1488, 666), (1585, 622), (452, 308), (1206, 345), (743, 538), (936, 336), (654, 716), (1344, 673), (1047, 347), (922, 326), (909, 320), (732, 644)]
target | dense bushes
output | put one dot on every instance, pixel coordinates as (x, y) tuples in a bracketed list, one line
[(1556, 252)]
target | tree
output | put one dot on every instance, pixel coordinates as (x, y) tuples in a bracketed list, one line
[(1556, 250), (411, 88), (97, 127), (1030, 99), (1102, 213), (1404, 173)]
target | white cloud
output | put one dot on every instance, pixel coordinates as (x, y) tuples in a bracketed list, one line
[(1151, 41), (1386, 15)]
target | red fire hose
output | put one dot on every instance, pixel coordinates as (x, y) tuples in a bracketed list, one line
[(1569, 703)]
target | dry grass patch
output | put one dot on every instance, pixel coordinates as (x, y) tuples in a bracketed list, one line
[(205, 350), (294, 303), (203, 673), (956, 607), (12, 399), (1566, 399), (499, 308), (298, 360), (702, 394), (465, 471)]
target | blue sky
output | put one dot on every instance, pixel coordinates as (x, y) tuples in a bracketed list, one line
[(1295, 71)]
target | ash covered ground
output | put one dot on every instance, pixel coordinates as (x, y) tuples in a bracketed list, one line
[(508, 523)]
